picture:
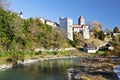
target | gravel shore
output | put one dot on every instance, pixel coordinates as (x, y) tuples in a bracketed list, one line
[(95, 69)]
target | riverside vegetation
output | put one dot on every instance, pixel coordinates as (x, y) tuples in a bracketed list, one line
[(20, 37)]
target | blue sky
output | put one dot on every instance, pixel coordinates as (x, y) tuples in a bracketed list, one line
[(106, 12)]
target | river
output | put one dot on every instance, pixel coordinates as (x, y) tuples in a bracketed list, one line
[(43, 70)]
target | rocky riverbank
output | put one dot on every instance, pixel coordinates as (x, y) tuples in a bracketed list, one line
[(95, 69)]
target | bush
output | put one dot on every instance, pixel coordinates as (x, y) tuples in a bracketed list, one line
[(9, 60), (100, 35), (38, 53), (4, 54)]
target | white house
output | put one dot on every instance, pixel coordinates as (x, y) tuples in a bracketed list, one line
[(82, 29), (116, 34), (76, 28), (51, 23), (20, 15), (42, 20), (90, 48)]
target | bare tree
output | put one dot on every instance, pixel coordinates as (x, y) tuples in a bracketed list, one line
[(4, 4), (108, 31), (95, 26)]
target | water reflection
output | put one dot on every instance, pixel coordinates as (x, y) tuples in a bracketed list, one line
[(46, 70)]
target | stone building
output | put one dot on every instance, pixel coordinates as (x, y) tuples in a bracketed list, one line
[(49, 22), (67, 24)]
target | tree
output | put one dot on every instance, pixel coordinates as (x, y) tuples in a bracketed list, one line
[(95, 26), (116, 38), (17, 34), (100, 35), (4, 4), (108, 31), (116, 30)]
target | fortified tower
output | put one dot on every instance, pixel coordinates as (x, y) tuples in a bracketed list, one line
[(67, 23)]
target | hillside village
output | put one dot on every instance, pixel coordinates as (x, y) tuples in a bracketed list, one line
[(85, 39), (69, 28), (38, 48), (80, 28)]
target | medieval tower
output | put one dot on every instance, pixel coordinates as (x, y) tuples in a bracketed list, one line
[(81, 20), (67, 23)]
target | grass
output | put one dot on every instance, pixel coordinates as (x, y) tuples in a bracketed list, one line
[(6, 57), (101, 53)]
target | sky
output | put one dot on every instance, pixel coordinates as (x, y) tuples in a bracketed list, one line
[(106, 12)]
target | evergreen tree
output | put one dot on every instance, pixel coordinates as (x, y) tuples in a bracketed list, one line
[(116, 30), (100, 35)]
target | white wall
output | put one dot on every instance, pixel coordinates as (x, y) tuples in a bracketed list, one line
[(42, 20), (67, 24), (49, 23), (91, 51), (116, 34), (86, 34), (70, 28), (77, 29)]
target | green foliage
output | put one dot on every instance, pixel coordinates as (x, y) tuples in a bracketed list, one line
[(116, 30), (65, 53), (101, 53), (17, 34), (114, 52), (116, 38), (78, 39), (100, 35), (4, 54)]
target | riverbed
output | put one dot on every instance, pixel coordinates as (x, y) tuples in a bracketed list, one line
[(44, 70)]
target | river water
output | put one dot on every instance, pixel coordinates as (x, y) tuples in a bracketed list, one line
[(44, 70)]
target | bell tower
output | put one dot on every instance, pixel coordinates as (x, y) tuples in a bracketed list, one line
[(81, 20)]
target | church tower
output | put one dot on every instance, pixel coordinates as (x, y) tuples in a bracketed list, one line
[(81, 20)]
